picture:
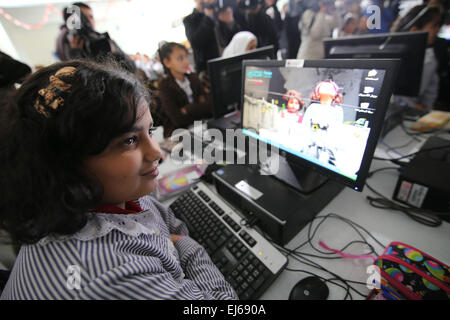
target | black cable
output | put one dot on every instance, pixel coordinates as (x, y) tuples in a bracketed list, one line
[(422, 216), (302, 257)]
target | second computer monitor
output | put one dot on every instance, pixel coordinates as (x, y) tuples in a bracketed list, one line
[(409, 47), (226, 77)]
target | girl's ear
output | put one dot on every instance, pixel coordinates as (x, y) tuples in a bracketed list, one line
[(165, 62)]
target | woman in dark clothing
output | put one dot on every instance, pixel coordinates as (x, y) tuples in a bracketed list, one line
[(184, 98)]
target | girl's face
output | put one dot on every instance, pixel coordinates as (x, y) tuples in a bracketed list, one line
[(178, 62), (293, 105), (327, 93), (128, 167), (432, 28)]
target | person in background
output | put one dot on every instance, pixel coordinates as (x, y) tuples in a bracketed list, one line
[(349, 26), (293, 14), (82, 41), (79, 162), (271, 9), (209, 29), (425, 18), (242, 42), (251, 16), (184, 98), (317, 23)]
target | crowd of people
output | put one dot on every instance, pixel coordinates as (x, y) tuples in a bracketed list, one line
[(79, 159)]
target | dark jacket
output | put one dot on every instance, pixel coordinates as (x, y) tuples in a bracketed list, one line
[(260, 24), (207, 37), (200, 32), (173, 98)]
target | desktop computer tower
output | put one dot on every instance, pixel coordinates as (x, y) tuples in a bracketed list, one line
[(277, 209)]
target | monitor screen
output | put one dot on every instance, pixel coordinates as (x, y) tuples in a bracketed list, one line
[(326, 114), (225, 75), (409, 47)]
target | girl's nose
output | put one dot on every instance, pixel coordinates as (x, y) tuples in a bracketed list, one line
[(152, 151)]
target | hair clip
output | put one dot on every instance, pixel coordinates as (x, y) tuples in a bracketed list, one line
[(52, 93)]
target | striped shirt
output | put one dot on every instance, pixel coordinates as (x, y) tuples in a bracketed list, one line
[(118, 256)]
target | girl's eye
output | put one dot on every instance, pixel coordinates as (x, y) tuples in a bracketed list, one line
[(130, 141), (151, 130)]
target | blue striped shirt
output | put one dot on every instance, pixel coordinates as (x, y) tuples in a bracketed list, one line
[(118, 256)]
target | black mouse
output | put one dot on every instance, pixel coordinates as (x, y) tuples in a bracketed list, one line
[(310, 288)]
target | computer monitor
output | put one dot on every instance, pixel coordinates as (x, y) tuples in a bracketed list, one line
[(225, 75), (409, 47), (324, 116)]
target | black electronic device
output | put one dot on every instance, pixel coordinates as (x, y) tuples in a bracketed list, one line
[(322, 145), (249, 262), (226, 78), (409, 47), (424, 181), (310, 288)]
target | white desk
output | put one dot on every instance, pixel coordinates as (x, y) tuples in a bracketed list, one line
[(385, 225)]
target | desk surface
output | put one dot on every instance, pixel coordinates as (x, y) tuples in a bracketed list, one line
[(384, 225)]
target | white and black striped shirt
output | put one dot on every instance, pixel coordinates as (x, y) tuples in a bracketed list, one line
[(131, 258)]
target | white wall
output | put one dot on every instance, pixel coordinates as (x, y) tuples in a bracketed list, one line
[(136, 25)]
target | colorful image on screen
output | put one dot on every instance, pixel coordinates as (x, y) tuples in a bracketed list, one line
[(322, 115)]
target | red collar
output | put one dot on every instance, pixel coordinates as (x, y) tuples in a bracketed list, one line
[(130, 207)]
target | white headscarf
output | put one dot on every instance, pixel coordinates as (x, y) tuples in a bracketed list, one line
[(238, 44)]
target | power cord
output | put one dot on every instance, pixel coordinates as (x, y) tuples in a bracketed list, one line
[(302, 257), (425, 217), (413, 154)]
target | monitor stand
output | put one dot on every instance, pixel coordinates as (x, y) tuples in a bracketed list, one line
[(281, 207), (302, 179), (229, 121)]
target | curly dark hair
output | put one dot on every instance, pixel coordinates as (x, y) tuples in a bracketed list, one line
[(45, 187)]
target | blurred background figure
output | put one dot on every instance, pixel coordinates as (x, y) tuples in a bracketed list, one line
[(209, 29), (242, 42), (251, 16), (78, 39), (349, 26), (184, 98), (294, 12), (316, 24)]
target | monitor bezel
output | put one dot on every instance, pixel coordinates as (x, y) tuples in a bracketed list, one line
[(391, 69), (218, 63), (403, 37)]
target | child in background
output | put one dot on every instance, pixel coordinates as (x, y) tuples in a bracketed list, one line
[(78, 165), (242, 42), (183, 97)]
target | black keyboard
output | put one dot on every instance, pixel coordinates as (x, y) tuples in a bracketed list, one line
[(247, 260)]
